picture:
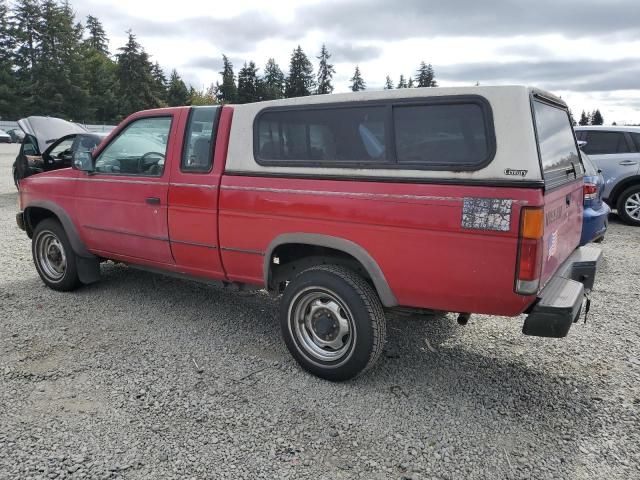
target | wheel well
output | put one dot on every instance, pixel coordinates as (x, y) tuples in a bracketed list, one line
[(34, 215), (290, 258), (621, 187)]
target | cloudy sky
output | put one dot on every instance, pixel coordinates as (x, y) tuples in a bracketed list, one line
[(587, 51)]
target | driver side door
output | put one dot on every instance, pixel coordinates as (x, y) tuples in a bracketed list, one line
[(122, 205)]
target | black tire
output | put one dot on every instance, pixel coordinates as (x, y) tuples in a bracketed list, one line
[(342, 296), (629, 195), (53, 256)]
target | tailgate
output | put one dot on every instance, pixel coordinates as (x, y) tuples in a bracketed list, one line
[(563, 173), (562, 226)]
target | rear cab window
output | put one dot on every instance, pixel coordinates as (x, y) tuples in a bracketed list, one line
[(559, 156)]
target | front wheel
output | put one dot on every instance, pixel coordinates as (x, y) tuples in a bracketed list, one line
[(53, 256), (629, 206), (332, 322)]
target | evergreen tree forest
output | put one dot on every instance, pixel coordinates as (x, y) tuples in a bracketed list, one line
[(53, 63)]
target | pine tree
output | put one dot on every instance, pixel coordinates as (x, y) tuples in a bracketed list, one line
[(357, 82), (228, 91), (432, 76), (160, 85), (58, 84), (426, 76), (584, 119), (596, 118), (402, 83), (248, 85), (300, 81), (97, 38), (326, 71), (177, 93), (100, 74), (272, 84), (8, 105), (26, 25), (135, 81), (410, 83), (388, 84)]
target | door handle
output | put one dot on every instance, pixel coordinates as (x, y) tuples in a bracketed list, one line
[(153, 200), (628, 162)]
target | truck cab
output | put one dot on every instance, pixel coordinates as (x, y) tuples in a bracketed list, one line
[(466, 200)]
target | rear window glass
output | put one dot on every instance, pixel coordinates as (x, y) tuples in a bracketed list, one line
[(322, 135), (447, 133), (555, 138), (636, 139), (604, 143), (440, 134)]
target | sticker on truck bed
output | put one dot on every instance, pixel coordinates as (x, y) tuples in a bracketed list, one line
[(487, 214)]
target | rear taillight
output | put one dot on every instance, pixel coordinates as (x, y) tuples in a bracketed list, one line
[(530, 250), (590, 191)]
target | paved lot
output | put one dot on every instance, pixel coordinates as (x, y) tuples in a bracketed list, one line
[(142, 376)]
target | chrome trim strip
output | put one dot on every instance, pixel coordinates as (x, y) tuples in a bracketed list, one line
[(381, 196), (113, 180), (241, 250), (124, 232), (194, 244), (198, 185)]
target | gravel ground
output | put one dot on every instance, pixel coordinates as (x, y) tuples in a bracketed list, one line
[(142, 376)]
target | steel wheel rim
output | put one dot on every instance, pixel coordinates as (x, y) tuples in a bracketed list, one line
[(51, 256), (632, 206), (322, 325)]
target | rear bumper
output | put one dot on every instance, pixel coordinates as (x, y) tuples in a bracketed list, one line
[(560, 302), (594, 223)]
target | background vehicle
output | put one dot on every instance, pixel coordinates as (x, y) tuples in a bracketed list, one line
[(595, 218), (17, 135), (49, 144), (5, 137), (424, 198), (616, 151)]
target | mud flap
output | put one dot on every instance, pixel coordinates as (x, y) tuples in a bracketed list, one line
[(88, 269)]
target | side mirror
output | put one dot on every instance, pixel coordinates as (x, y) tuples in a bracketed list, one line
[(82, 161)]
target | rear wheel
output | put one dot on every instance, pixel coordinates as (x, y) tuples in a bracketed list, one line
[(629, 206), (332, 322), (53, 256)]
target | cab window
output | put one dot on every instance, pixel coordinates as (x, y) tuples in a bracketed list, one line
[(199, 144), (140, 149), (30, 146), (62, 147)]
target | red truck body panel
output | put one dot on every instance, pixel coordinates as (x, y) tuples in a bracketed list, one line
[(219, 226), (413, 231)]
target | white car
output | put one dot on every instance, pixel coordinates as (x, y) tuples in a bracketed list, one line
[(616, 151), (4, 137)]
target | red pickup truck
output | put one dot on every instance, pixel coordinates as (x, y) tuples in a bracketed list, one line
[(465, 200)]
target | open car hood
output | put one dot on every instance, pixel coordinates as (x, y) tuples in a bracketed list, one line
[(47, 130)]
